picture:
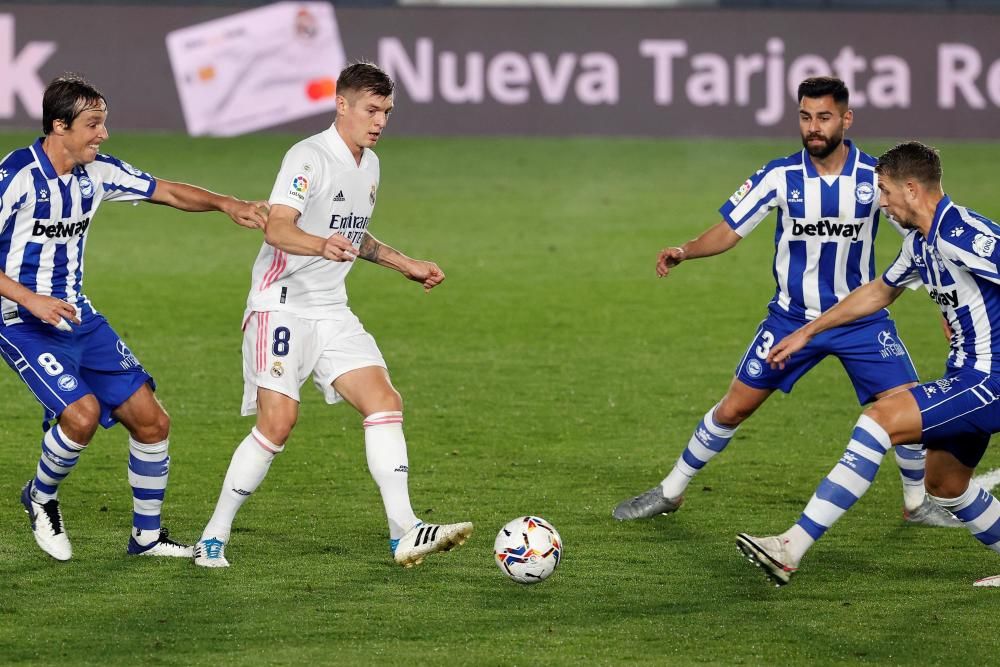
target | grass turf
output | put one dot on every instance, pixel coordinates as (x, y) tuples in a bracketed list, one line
[(550, 374)]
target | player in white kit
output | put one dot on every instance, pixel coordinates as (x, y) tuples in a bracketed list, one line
[(298, 324)]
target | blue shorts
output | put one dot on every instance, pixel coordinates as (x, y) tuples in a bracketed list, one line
[(959, 413), (872, 354), (62, 367)]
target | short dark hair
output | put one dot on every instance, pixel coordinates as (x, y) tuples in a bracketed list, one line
[(365, 76), (821, 86), (65, 98), (911, 160)]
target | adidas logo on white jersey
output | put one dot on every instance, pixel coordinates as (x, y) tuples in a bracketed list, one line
[(340, 196)]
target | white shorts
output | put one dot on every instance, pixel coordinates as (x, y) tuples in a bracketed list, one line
[(281, 351)]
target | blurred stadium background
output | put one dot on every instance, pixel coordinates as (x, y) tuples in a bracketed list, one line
[(541, 152)]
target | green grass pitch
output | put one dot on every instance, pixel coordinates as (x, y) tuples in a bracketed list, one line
[(552, 374)]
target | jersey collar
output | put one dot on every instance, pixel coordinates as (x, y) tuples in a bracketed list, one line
[(939, 212), (43, 159), (340, 149), (852, 158)]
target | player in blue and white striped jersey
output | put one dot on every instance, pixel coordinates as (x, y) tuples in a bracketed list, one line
[(74, 363), (827, 219), (955, 253)]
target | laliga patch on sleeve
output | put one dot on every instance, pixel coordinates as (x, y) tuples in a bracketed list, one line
[(741, 193), (257, 68), (299, 187)]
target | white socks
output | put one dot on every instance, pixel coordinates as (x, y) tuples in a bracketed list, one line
[(247, 470), (385, 449)]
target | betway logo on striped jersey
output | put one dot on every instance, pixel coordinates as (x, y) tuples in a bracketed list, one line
[(61, 230), (943, 298), (848, 230)]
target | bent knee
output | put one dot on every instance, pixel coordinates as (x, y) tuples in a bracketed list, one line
[(393, 400), (945, 476), (386, 399), (941, 486), (731, 416), (80, 419), (156, 429), (276, 428)]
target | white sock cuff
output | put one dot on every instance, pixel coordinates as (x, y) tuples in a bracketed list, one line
[(58, 434), (962, 501), (383, 419), (715, 428), (264, 443), (873, 427), (153, 451)]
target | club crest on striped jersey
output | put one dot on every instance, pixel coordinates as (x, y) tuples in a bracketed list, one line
[(864, 193), (984, 245), (277, 369), (86, 186), (739, 194)]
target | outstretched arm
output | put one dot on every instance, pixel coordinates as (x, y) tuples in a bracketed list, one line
[(865, 300), (715, 240), (282, 232), (186, 197), (428, 273)]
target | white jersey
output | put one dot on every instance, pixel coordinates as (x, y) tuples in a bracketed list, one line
[(45, 219), (959, 264), (319, 178), (824, 244)]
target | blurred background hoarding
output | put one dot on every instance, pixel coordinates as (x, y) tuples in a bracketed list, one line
[(725, 68)]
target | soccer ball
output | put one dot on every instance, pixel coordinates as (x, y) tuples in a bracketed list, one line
[(528, 549)]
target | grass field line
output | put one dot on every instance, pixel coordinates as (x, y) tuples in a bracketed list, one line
[(988, 479)]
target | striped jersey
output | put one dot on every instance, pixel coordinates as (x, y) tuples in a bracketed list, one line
[(825, 233), (45, 219), (320, 179), (959, 263)]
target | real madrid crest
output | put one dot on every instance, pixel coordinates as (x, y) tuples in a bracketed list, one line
[(277, 370)]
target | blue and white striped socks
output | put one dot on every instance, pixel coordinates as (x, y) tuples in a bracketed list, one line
[(979, 511), (148, 468), (839, 490), (708, 439), (910, 459), (59, 456)]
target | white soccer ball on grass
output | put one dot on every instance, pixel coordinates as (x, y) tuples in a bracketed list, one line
[(528, 549)]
